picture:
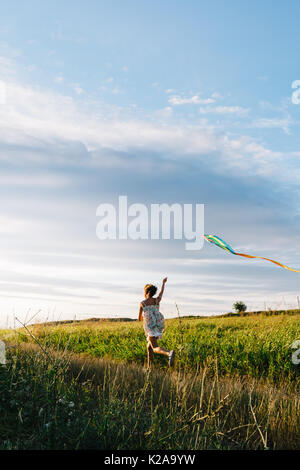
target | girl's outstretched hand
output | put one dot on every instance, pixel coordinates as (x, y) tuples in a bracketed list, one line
[(165, 280)]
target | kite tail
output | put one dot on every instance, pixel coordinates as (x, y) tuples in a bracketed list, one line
[(221, 244), (272, 261)]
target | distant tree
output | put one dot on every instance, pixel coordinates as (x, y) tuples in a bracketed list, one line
[(240, 307)]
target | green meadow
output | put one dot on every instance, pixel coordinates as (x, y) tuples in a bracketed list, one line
[(85, 385), (258, 346)]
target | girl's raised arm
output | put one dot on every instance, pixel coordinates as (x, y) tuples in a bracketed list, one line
[(162, 290)]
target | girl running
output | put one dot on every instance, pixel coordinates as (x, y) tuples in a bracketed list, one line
[(154, 322)]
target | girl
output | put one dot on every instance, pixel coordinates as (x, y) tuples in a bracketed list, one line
[(154, 322)]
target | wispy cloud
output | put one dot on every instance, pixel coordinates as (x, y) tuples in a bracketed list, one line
[(77, 88), (177, 100), (59, 79), (239, 110), (273, 123)]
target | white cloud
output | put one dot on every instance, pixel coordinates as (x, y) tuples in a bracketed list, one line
[(31, 113), (224, 110), (165, 113), (273, 123), (58, 79), (177, 100), (77, 88), (39, 180), (12, 225), (2, 93)]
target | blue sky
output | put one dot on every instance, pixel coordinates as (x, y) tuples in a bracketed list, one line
[(173, 101)]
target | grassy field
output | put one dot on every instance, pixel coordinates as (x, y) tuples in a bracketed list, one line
[(259, 346), (85, 386)]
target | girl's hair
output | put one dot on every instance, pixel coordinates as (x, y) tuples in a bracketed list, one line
[(150, 289)]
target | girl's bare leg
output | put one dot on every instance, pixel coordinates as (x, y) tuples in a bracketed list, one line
[(150, 354), (157, 349)]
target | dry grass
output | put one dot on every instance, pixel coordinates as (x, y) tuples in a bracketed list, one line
[(231, 412)]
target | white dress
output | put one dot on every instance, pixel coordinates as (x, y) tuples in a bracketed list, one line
[(154, 322)]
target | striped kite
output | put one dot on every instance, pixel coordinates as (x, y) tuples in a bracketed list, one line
[(219, 242)]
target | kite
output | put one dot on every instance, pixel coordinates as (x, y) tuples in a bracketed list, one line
[(219, 242)]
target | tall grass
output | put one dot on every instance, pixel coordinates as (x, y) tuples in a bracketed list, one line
[(83, 386), (71, 401)]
